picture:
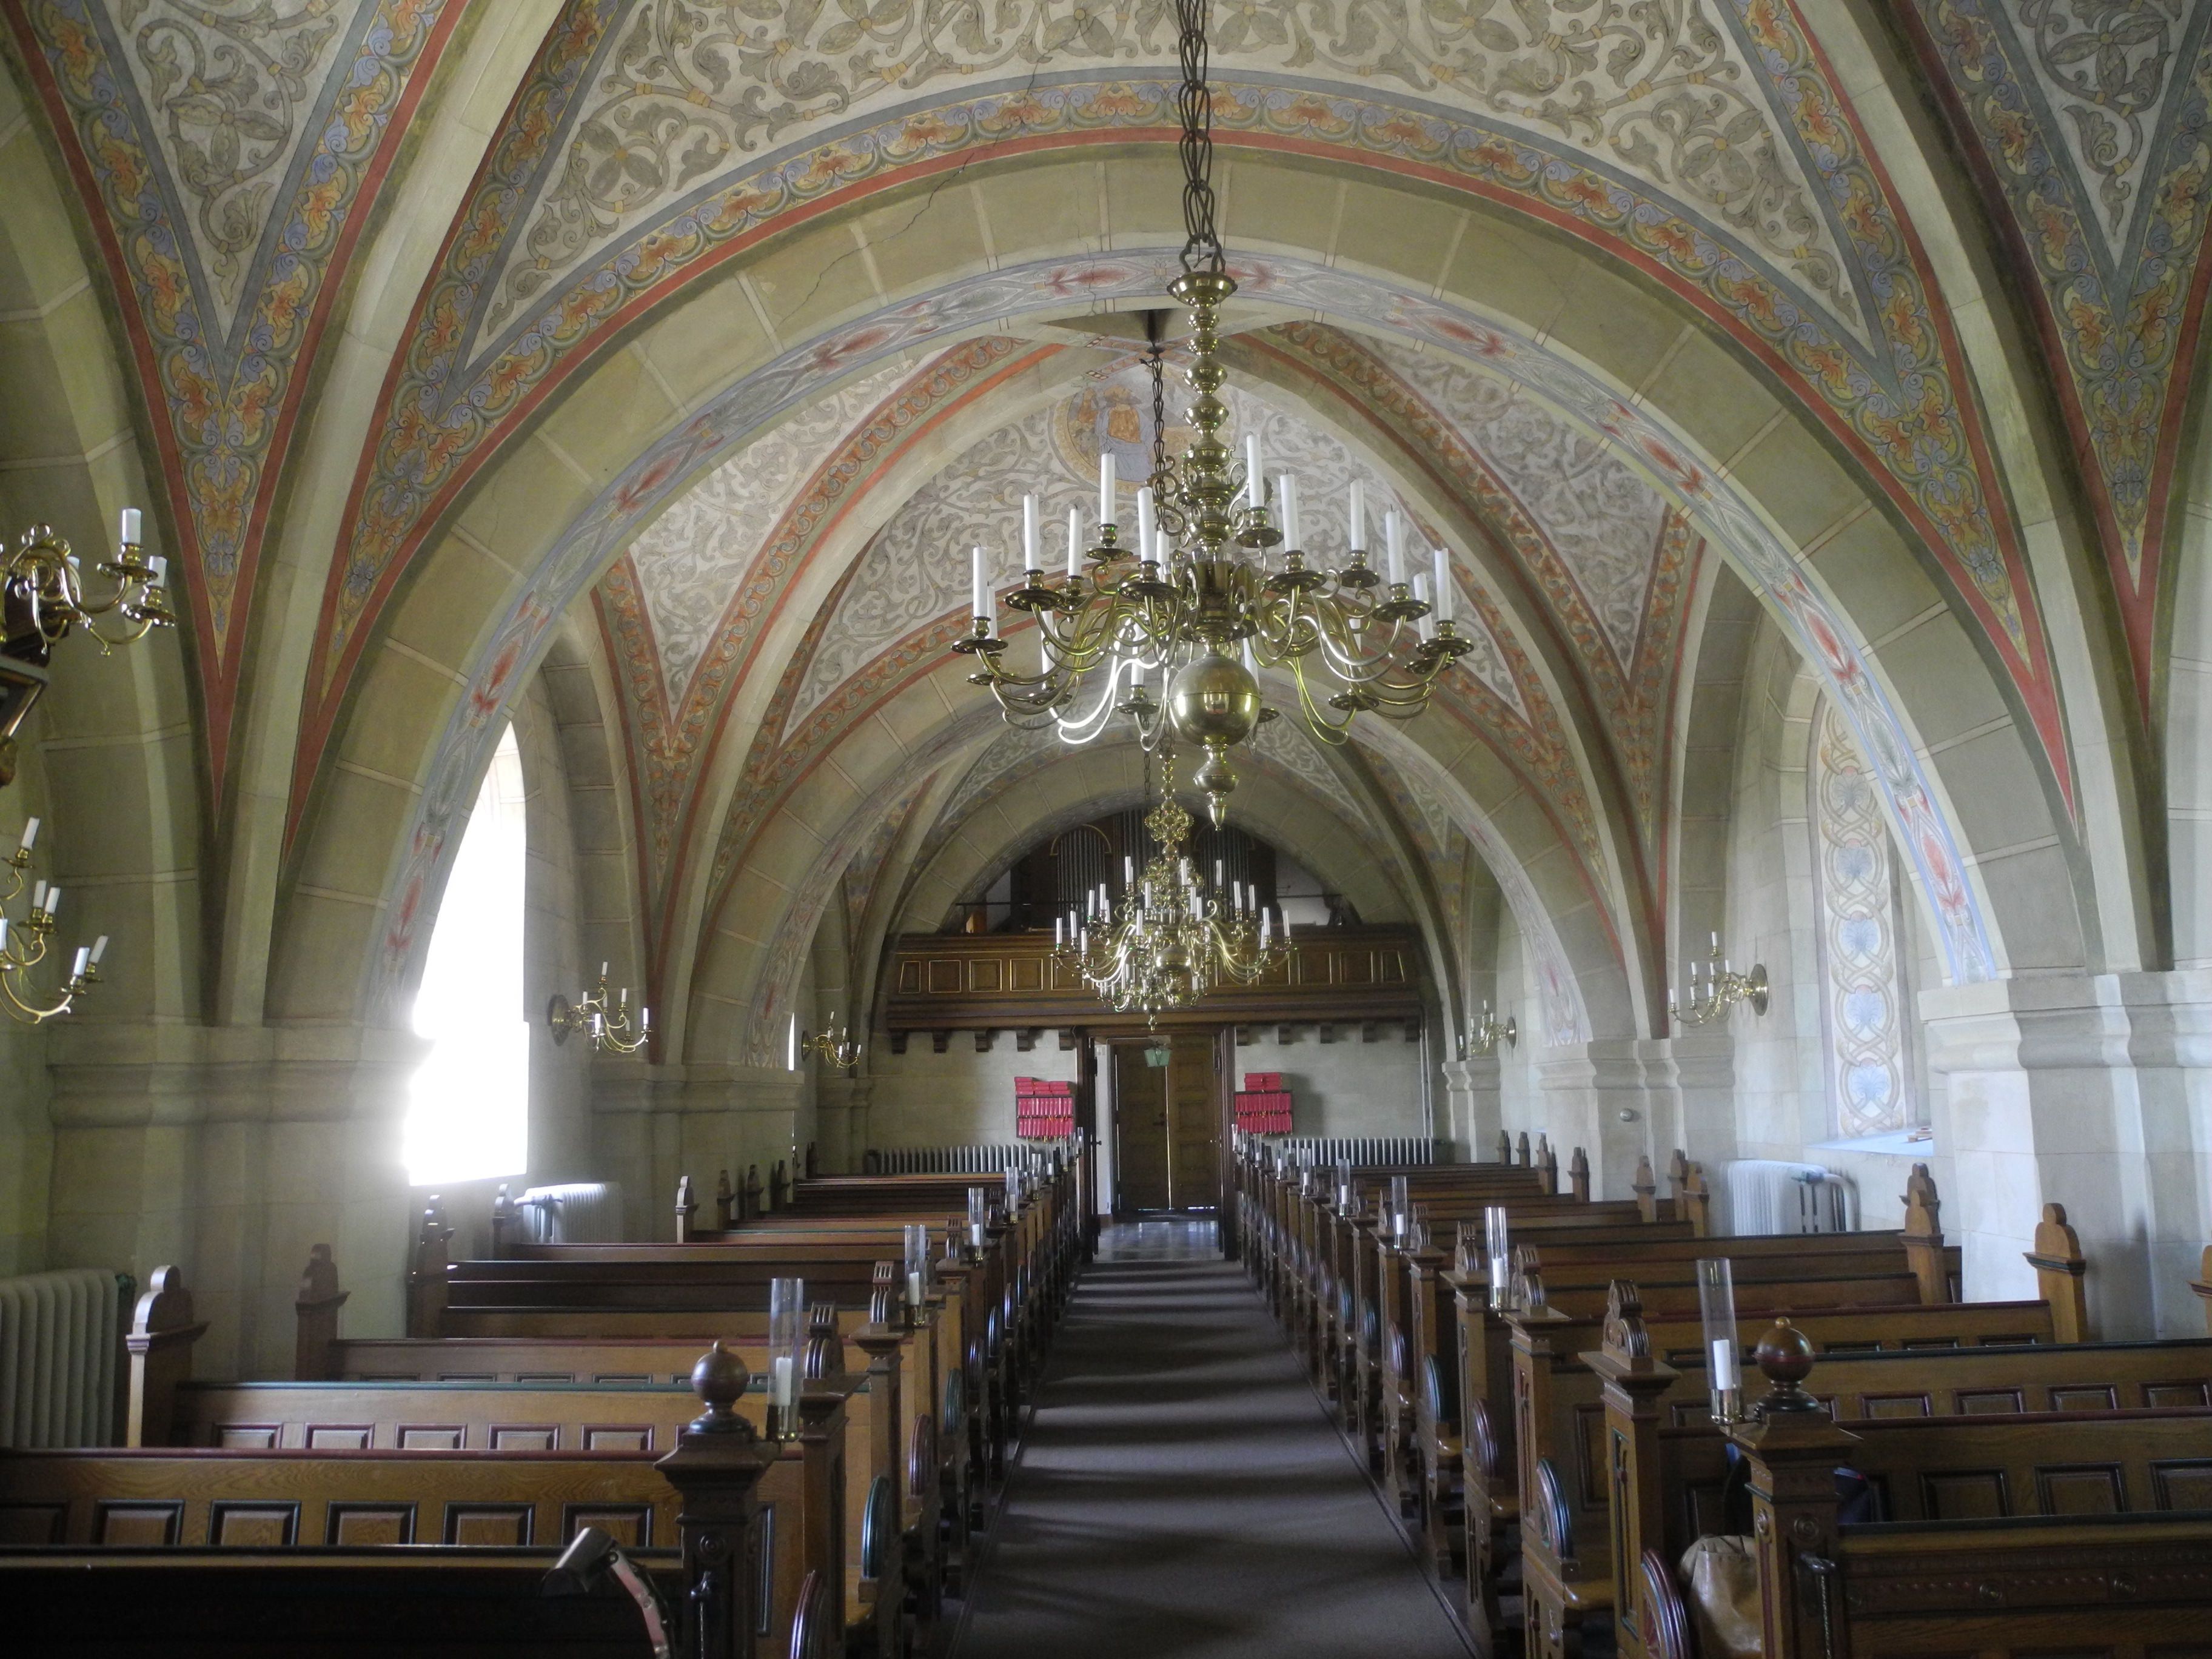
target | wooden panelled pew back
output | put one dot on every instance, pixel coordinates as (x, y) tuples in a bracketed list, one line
[(2043, 1533), (702, 1496)]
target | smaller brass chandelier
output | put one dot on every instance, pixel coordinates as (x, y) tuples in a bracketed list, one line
[(1484, 1037), (43, 597), (1722, 989), (23, 945), (837, 1046), (1172, 938), (609, 1026)]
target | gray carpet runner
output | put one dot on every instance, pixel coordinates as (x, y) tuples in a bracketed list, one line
[(1181, 1492)]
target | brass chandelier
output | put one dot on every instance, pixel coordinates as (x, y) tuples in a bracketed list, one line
[(1197, 594), (1172, 938)]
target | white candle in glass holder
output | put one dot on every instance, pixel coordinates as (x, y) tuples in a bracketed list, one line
[(784, 1379), (1726, 1373)]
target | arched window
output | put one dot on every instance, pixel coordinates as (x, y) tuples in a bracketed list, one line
[(1863, 992), (468, 1114)]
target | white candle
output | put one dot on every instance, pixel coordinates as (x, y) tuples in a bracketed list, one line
[(1057, 938), (644, 1019), (82, 956), (790, 1044), (1032, 538), (1144, 522), (1256, 481), (53, 900), (130, 527), (1237, 894), (4, 932), (975, 597), (1128, 871), (1725, 1375), (1136, 676), (1267, 928), (1074, 542), (157, 571), (1356, 528), (783, 1380), (1106, 487), (1443, 583), (30, 833), (1426, 626), (603, 971), (1394, 540), (1163, 548), (99, 949), (1217, 872), (1286, 488)]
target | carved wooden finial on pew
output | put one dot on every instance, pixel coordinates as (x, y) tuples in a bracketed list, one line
[(317, 1306), (1578, 1175), (1697, 1202), (752, 1205), (812, 1169), (725, 1199), (825, 1348), (1922, 1237), (502, 1222), (719, 1379), (1626, 1339), (1645, 1189), (887, 1295), (1520, 1150), (428, 1272), (1548, 1167), (778, 1188), (1678, 1178), (687, 1206), (162, 1332), (1528, 1276), (2060, 1270), (1504, 1147), (716, 1469)]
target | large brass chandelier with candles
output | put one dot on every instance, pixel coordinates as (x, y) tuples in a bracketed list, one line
[(1171, 937), (1198, 593)]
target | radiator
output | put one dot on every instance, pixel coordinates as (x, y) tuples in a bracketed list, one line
[(1765, 1195), (1327, 1149), (59, 1336), (983, 1158), (575, 1213)]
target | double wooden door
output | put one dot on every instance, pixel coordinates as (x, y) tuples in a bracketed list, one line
[(1167, 1123)]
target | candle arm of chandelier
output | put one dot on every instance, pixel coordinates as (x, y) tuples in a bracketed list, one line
[(36, 1013)]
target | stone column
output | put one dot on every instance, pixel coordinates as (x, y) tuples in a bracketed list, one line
[(2093, 1092), (1586, 1089), (230, 1152), (1471, 1105)]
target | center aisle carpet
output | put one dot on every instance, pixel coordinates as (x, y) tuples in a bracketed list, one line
[(1181, 1492)]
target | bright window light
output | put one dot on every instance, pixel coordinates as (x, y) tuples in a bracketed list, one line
[(468, 1113)]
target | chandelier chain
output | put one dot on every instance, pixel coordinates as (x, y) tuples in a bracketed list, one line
[(1201, 248)]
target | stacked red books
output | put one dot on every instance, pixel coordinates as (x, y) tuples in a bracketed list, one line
[(1043, 1110), (1263, 1105)]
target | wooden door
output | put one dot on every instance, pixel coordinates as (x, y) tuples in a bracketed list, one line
[(1140, 1131), (1195, 1122)]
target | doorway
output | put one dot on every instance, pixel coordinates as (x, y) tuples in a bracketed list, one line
[(1167, 1121)]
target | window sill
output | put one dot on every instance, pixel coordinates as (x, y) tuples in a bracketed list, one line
[(1897, 1143)]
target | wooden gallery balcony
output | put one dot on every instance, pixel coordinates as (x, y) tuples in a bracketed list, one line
[(1342, 979)]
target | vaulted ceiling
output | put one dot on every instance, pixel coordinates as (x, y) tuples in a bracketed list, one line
[(711, 334)]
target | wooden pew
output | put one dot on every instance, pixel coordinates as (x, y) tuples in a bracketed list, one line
[(1561, 1387), (112, 1508), (2043, 1533), (882, 1443)]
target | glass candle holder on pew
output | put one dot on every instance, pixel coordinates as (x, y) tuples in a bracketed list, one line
[(1717, 1308), (979, 1217), (916, 1236), (1497, 1244), (1401, 1210), (786, 1347)]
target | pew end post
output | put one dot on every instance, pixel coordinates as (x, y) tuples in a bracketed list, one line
[(315, 1351), (1793, 1448), (1646, 1189), (2061, 1274), (428, 1275), (687, 1210), (716, 1469), (1697, 1202), (502, 1223), (1504, 1147), (1634, 1383), (1922, 1237), (1579, 1176), (1548, 1167), (159, 1344)]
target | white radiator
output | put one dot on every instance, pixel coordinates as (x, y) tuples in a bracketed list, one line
[(1366, 1150), (575, 1213), (982, 1159), (59, 1336), (1766, 1195)]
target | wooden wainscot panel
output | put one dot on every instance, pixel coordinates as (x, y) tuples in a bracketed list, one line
[(946, 978), (1025, 974), (987, 974)]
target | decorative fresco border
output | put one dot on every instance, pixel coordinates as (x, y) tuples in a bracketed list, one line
[(224, 410), (2117, 333), (1905, 417), (1667, 458)]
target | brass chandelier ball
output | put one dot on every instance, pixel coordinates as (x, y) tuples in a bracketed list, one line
[(1214, 702)]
